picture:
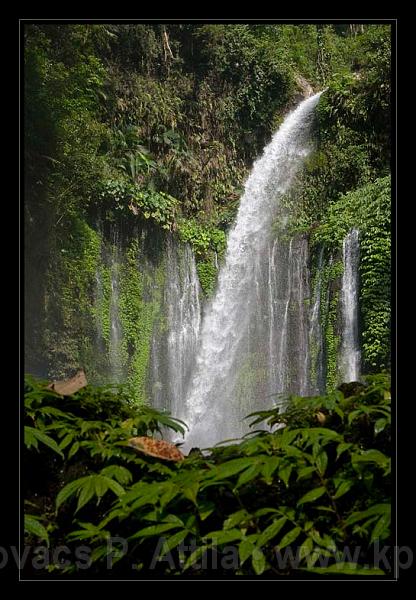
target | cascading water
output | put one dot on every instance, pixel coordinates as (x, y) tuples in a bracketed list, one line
[(173, 355), (350, 348), (288, 293), (115, 327), (109, 356), (184, 318), (217, 399), (316, 343)]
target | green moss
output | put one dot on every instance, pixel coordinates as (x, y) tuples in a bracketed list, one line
[(207, 274), (69, 312), (103, 301), (367, 208), (329, 303), (139, 312), (332, 343)]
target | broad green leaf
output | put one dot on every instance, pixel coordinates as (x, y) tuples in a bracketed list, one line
[(258, 561), (246, 547), (269, 467), (305, 472), (236, 518), (195, 556), (342, 448), (271, 531), (168, 492), (33, 526), (174, 519), (265, 511), (66, 441), (293, 451), (173, 541), (344, 568), (372, 456), (288, 512), (289, 537), (69, 490), (356, 414), (205, 508), (30, 439), (328, 543), (115, 487), (380, 425), (325, 508), (117, 472), (74, 449), (230, 468), (312, 495), (381, 529), (306, 548), (100, 485), (377, 509), (284, 474), (248, 475), (343, 488), (51, 410), (322, 462), (223, 537), (191, 491), (87, 491), (32, 434), (153, 530)]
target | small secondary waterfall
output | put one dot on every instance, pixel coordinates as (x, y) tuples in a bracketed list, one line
[(174, 352), (115, 326), (316, 343), (110, 356), (214, 406), (350, 348), (184, 318)]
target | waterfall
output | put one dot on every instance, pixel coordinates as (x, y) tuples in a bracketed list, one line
[(213, 407), (300, 321), (184, 317), (288, 294), (115, 327), (173, 354), (350, 358), (316, 344), (112, 360)]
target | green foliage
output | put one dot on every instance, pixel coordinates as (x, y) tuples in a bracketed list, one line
[(252, 67), (315, 489), (332, 344), (34, 527), (202, 238), (69, 282), (124, 196), (207, 275), (368, 209), (346, 184), (208, 244)]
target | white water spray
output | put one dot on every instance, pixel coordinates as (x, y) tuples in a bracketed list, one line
[(350, 348), (213, 409)]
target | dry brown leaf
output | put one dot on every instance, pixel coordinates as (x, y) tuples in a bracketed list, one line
[(321, 417), (156, 448), (68, 387)]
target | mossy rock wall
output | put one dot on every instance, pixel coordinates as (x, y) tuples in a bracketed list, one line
[(96, 301)]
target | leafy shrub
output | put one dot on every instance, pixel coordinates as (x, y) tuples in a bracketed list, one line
[(147, 203), (317, 485)]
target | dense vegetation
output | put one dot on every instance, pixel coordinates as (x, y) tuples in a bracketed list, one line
[(316, 491)]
